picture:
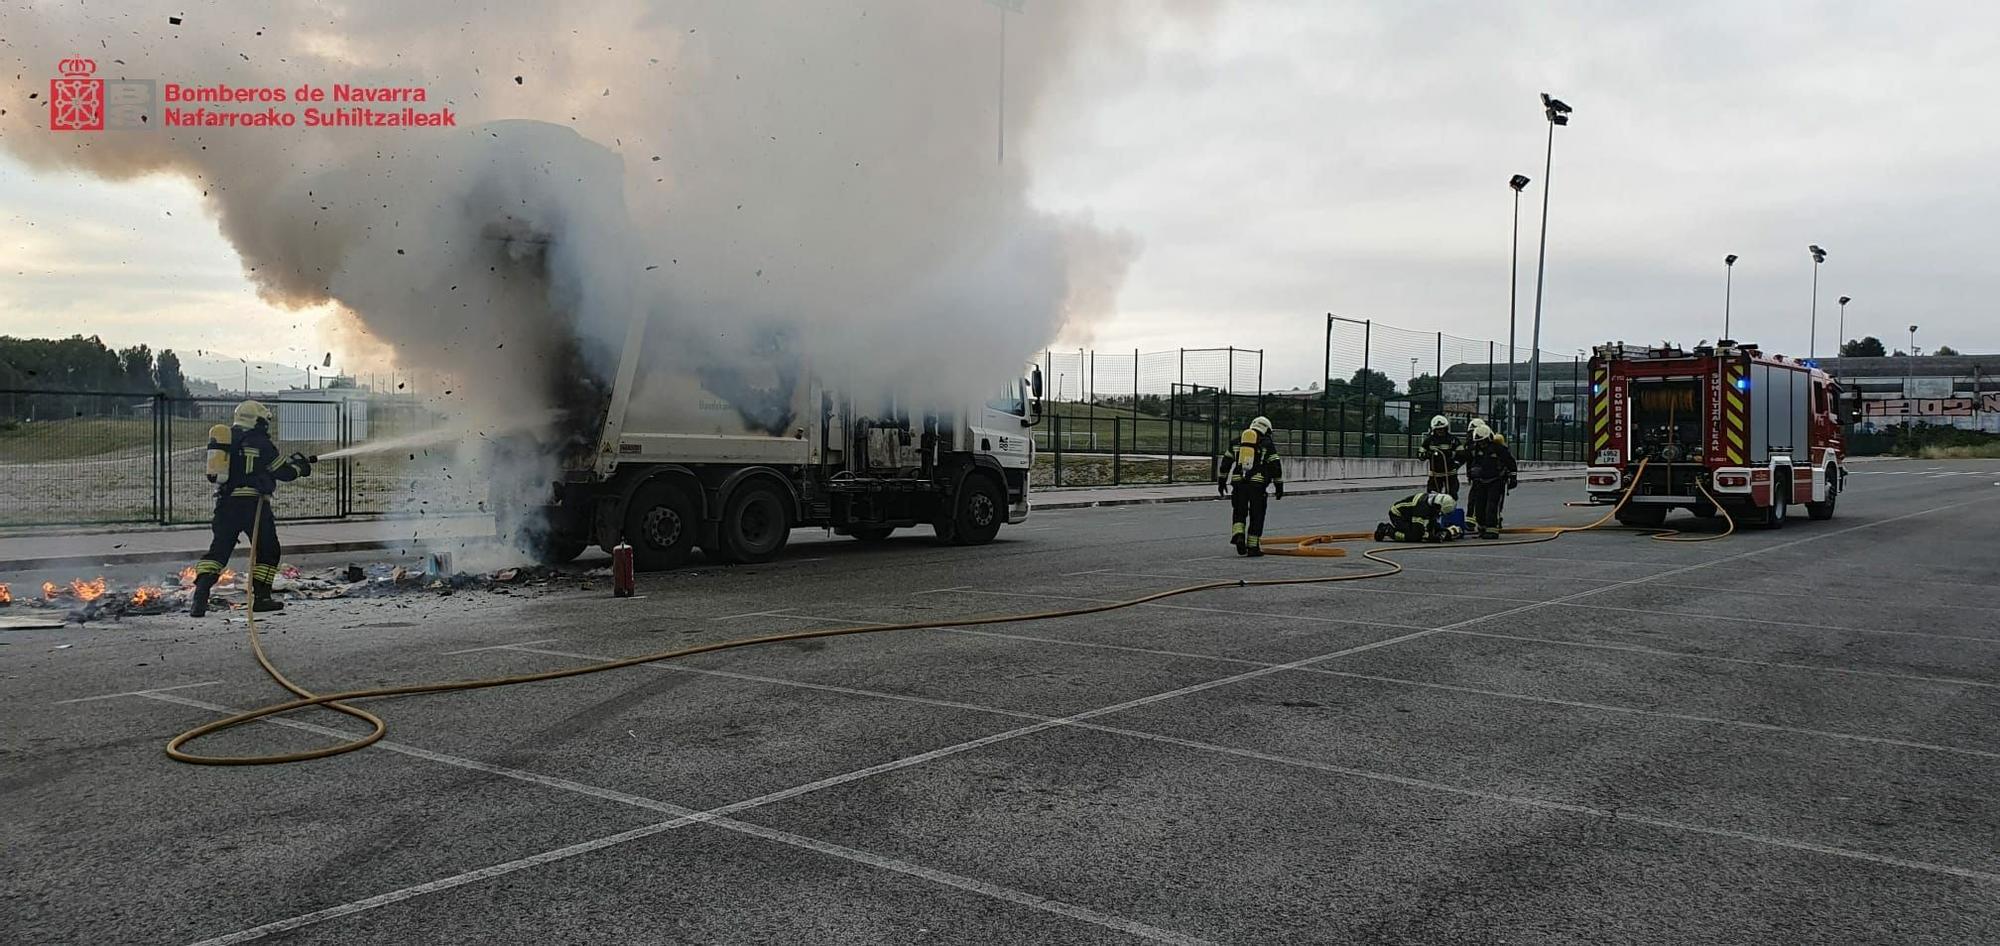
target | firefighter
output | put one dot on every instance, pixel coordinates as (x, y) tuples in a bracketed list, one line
[(1442, 454), (1421, 517), (243, 464), (1251, 464), (1491, 468)]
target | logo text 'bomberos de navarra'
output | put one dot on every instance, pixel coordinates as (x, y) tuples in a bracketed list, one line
[(76, 101)]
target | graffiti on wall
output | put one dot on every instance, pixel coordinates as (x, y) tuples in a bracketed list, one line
[(1931, 406)]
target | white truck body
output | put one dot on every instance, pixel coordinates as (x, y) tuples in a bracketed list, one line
[(729, 459)]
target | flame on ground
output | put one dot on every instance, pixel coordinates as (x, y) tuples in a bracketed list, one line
[(49, 590), (145, 594), (87, 590), (187, 576), (6, 596)]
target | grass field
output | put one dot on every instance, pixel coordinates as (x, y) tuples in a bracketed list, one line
[(89, 437)]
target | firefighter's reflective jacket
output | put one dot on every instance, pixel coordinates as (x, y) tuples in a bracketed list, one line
[(1422, 507), (1487, 461), (1252, 459), (244, 462), (1440, 441)]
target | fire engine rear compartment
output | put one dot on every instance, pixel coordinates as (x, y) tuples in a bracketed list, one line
[(1667, 429)]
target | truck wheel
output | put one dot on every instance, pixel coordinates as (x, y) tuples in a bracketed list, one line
[(871, 534), (1825, 510), (979, 513), (1774, 517), (755, 524), (660, 525), (1645, 517)]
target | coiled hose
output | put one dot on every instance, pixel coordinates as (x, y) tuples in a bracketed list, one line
[(1304, 545)]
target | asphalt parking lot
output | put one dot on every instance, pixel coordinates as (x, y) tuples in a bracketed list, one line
[(1786, 736)]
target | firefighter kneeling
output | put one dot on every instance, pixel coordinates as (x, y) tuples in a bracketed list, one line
[(1250, 464), (1423, 517), (244, 466)]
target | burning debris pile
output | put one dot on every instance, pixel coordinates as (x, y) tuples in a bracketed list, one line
[(98, 599)]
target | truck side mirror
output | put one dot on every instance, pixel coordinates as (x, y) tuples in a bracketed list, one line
[(1035, 383)]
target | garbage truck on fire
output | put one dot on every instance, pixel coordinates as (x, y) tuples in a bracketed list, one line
[(1760, 433), (730, 456)]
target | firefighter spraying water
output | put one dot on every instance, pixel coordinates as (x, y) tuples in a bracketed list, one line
[(243, 464)]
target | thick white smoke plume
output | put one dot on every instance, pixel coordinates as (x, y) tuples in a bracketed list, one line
[(760, 178)]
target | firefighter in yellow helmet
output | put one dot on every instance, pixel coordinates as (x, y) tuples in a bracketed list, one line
[(243, 464), (1251, 464), (1442, 454), (1491, 468)]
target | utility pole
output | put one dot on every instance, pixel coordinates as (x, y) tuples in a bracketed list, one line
[(1812, 333), (1519, 182), (1728, 283), (1558, 114)]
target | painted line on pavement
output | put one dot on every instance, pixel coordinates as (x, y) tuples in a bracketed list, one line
[(682, 817)]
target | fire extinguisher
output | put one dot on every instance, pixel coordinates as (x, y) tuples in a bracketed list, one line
[(622, 583)]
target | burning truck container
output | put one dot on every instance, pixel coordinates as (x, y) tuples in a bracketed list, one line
[(689, 444), (673, 460), (1759, 433)]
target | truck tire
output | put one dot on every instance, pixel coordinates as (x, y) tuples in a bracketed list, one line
[(1774, 517), (1825, 510), (978, 513), (1644, 517), (660, 524), (756, 522)]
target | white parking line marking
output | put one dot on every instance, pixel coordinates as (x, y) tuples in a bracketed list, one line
[(1656, 652), (113, 696), (682, 817), (474, 650), (993, 739), (1811, 626), (1406, 781)]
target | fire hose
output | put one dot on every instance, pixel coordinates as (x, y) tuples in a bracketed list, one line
[(1300, 545)]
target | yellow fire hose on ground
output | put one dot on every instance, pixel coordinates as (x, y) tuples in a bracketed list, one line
[(1301, 545)]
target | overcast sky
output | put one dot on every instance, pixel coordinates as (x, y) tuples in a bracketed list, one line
[(1278, 161)]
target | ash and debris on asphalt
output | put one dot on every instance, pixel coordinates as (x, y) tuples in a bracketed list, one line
[(83, 600)]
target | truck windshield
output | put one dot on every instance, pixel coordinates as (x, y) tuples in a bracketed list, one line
[(1010, 399)]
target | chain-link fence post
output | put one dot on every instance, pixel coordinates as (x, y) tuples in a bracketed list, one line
[(1367, 343), (1117, 453)]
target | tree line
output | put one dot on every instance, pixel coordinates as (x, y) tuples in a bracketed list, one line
[(60, 369)]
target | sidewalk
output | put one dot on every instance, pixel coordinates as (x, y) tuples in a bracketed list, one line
[(1084, 497), (128, 545)]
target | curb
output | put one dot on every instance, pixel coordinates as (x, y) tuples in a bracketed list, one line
[(1204, 496), (363, 545)]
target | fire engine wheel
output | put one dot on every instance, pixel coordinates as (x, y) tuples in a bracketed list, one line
[(660, 525), (1774, 517), (755, 524), (1825, 510), (980, 511), (1648, 517)]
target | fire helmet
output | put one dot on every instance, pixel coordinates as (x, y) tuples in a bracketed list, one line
[(1482, 432), (250, 413), (1439, 423), (1445, 504), (1261, 425)]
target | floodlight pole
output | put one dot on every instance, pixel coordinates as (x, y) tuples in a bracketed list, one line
[(1541, 262), (1728, 284)]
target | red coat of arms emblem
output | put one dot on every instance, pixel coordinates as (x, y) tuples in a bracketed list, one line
[(76, 101)]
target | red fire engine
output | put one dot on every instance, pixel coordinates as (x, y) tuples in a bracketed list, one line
[(1760, 432)]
